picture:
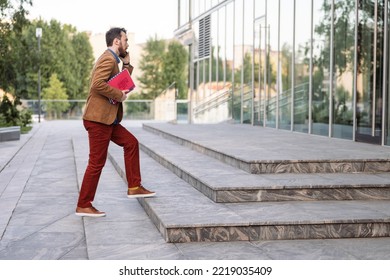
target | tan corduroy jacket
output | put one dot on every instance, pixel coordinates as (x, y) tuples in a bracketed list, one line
[(98, 107)]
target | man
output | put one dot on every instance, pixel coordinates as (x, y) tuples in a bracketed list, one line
[(102, 121)]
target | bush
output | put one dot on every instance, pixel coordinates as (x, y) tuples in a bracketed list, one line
[(11, 115)]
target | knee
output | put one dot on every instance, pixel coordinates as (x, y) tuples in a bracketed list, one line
[(132, 144), (96, 165)]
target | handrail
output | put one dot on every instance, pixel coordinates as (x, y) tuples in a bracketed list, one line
[(222, 96), (171, 85)]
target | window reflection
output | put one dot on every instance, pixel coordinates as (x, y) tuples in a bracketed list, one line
[(271, 63), (238, 58), (324, 77), (369, 69), (321, 63), (259, 46), (302, 65), (284, 79), (343, 68)]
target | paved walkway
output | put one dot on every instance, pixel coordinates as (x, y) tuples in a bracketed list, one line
[(39, 183)]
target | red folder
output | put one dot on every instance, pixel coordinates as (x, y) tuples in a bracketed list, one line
[(121, 81)]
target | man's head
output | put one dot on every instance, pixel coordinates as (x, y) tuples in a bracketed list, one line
[(116, 37)]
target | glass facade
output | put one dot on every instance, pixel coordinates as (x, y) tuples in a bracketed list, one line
[(312, 66)]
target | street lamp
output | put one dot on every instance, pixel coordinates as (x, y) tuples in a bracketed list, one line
[(38, 33)]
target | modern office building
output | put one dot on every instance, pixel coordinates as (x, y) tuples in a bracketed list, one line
[(312, 66)]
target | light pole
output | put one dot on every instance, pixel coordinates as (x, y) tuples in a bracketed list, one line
[(38, 33)]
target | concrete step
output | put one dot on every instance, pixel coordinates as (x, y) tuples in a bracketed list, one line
[(183, 214), (260, 150), (221, 182)]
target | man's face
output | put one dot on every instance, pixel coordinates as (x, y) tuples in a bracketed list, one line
[(123, 44)]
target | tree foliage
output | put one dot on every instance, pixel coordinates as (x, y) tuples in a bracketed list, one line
[(174, 68), (12, 115), (162, 65), (64, 51), (12, 21), (55, 91), (151, 64)]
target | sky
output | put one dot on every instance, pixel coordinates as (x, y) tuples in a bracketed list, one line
[(144, 18)]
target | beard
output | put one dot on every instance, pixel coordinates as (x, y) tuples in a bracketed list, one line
[(122, 51)]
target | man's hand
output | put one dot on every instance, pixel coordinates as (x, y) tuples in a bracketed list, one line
[(124, 95), (126, 59)]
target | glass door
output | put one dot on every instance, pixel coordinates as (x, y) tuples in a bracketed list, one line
[(369, 80)]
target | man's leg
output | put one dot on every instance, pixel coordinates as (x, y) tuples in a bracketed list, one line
[(99, 139), (122, 137)]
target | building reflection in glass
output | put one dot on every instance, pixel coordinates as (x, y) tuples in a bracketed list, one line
[(311, 66)]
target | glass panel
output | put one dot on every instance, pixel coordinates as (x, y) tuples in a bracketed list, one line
[(343, 68), (195, 8), (284, 79), (321, 61), (302, 65), (260, 57), (238, 59), (229, 51), (387, 140), (202, 6), (222, 47), (248, 61), (196, 57), (271, 61), (369, 70), (184, 12)]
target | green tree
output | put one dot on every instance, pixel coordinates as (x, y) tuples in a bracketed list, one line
[(83, 63), (12, 20), (151, 65), (174, 68), (56, 92), (63, 51)]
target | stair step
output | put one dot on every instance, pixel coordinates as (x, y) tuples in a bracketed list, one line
[(247, 148), (183, 214), (223, 183)]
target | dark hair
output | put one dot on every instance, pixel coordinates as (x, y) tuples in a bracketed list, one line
[(114, 33)]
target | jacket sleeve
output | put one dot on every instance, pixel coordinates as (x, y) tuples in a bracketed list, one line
[(128, 67), (104, 70)]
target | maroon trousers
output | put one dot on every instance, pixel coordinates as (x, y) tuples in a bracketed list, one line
[(100, 136)]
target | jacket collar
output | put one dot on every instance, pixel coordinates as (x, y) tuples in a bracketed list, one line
[(115, 55)]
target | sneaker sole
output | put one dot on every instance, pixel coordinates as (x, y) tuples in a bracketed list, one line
[(90, 215), (140, 195)]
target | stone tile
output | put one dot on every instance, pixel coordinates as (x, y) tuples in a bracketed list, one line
[(303, 250), (363, 248), (222, 251), (41, 246), (116, 233), (77, 253), (144, 251), (17, 233)]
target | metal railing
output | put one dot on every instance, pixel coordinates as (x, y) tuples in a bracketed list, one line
[(73, 109), (213, 102)]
